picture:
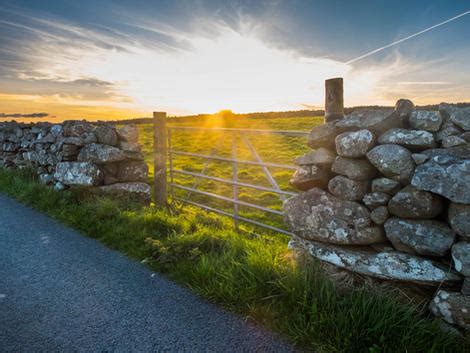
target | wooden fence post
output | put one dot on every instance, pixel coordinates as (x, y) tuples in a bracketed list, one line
[(334, 104), (160, 157)]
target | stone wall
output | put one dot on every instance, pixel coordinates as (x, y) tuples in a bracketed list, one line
[(77, 153), (386, 194)]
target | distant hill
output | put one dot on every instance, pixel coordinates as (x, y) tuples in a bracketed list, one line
[(271, 115)]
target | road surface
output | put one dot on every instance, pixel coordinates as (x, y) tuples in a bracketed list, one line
[(62, 291)]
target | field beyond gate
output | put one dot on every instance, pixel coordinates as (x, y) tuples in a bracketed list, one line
[(215, 137)]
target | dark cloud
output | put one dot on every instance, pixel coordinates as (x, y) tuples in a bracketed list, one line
[(19, 115)]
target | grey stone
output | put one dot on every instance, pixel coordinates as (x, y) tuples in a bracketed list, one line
[(452, 153), (10, 147), (309, 176), (356, 169), (132, 171), (56, 130), (453, 307), (58, 186), (323, 136), (389, 186), (419, 158), (446, 176), (412, 139), (425, 120), (411, 202), (318, 156), (466, 286), (404, 107), (376, 199), (448, 129), (46, 178), (424, 237), (78, 173), (69, 151), (129, 146), (375, 120), (74, 140), (461, 257), (461, 118), (100, 154), (354, 144), (347, 189), (379, 215), (465, 136), (76, 128), (459, 219), (318, 215), (141, 190), (388, 265), (452, 141), (446, 111), (128, 133), (106, 135), (393, 161)]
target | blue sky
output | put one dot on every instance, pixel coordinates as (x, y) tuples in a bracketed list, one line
[(127, 57)]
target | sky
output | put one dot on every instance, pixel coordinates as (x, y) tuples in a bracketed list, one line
[(113, 59)]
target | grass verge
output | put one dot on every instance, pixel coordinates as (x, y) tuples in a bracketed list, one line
[(254, 276)]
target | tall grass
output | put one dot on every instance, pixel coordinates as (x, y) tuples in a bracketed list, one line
[(255, 276)]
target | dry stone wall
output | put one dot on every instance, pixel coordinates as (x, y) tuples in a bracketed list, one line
[(78, 153), (386, 194)]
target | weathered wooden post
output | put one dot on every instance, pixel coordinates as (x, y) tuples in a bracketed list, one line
[(334, 104), (160, 156)]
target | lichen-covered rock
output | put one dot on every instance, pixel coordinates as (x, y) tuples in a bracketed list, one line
[(389, 265), (376, 199), (356, 169), (411, 202), (424, 237), (453, 307), (461, 118), (76, 128), (453, 141), (100, 154), (132, 171), (140, 190), (318, 215), (419, 158), (446, 176), (425, 120), (446, 111), (461, 257), (404, 107), (128, 133), (448, 129), (459, 219), (309, 176), (106, 135), (318, 156), (386, 185), (393, 161), (323, 136), (379, 215), (354, 144), (375, 120), (412, 139), (348, 189), (78, 173)]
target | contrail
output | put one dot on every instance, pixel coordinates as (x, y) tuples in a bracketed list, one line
[(406, 38)]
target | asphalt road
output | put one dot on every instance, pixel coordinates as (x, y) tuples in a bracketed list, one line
[(61, 291)]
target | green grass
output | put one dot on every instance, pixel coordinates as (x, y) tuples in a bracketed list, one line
[(271, 148), (248, 274)]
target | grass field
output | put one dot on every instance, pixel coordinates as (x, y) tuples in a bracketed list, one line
[(271, 148), (255, 276)]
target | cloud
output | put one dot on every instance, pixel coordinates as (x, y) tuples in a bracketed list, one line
[(19, 115)]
